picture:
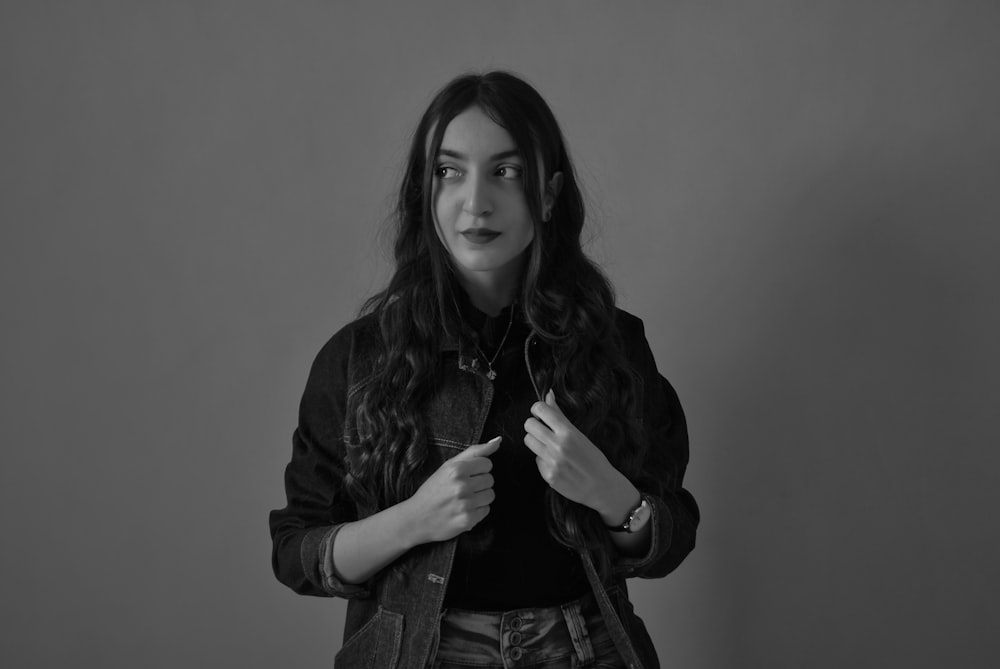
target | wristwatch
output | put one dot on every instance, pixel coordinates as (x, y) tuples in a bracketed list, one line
[(637, 519)]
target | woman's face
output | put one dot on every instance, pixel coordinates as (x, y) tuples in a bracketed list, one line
[(480, 208)]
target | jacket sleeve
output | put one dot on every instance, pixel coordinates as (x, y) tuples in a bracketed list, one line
[(302, 533), (675, 514)]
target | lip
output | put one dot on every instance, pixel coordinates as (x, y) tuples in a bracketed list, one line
[(480, 235)]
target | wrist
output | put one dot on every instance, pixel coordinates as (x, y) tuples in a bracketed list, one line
[(407, 525), (622, 499)]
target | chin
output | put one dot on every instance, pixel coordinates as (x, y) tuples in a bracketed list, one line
[(481, 266), (480, 262), (490, 260)]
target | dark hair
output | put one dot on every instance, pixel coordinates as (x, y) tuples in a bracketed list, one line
[(564, 297)]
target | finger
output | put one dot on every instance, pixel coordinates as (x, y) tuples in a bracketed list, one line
[(536, 445), (484, 498), (479, 450), (481, 482), (549, 415), (473, 466), (477, 515), (543, 468), (539, 430)]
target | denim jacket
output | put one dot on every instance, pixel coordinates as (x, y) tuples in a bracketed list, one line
[(391, 623)]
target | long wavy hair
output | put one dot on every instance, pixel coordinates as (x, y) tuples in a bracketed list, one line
[(564, 297)]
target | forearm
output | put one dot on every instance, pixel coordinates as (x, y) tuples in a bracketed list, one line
[(452, 500), (364, 547)]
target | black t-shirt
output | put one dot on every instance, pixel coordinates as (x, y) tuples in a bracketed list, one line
[(510, 560)]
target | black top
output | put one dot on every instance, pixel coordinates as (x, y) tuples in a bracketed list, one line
[(510, 560)]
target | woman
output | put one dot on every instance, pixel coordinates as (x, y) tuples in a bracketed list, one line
[(489, 451)]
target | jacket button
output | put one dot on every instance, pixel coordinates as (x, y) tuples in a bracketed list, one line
[(515, 623), (516, 653), (515, 638)]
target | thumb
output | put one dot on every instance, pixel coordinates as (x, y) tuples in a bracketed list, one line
[(480, 450), (550, 399)]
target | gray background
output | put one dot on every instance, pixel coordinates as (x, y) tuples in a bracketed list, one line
[(800, 199)]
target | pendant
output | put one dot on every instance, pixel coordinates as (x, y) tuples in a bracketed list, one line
[(491, 375)]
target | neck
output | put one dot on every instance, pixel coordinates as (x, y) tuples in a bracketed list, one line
[(489, 292)]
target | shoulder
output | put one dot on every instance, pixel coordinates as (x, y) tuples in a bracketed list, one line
[(349, 348), (630, 327), (661, 403), (361, 333), (635, 345)]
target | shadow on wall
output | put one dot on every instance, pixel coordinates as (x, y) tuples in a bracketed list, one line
[(857, 482)]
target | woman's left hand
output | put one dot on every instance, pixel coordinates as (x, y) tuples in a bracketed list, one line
[(573, 466)]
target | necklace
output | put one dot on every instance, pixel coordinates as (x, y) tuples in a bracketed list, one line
[(490, 374)]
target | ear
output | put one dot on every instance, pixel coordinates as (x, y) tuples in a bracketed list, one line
[(552, 189)]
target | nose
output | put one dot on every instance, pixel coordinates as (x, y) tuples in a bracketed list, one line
[(477, 200)]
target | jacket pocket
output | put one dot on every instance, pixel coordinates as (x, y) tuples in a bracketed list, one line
[(375, 646)]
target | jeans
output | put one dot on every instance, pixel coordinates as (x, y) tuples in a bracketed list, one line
[(560, 637)]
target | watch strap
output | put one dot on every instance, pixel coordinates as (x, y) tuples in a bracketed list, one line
[(627, 525)]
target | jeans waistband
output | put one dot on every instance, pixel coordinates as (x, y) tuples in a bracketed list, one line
[(522, 637)]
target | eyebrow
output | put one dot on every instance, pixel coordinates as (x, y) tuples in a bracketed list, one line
[(509, 153)]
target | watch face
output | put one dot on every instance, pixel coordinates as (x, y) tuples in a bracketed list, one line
[(640, 517)]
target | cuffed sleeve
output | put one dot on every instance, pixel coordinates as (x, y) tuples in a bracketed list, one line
[(302, 533), (674, 514), (332, 581)]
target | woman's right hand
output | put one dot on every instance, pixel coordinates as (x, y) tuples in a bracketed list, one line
[(456, 496)]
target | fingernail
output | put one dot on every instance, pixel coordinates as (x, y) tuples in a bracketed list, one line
[(496, 438)]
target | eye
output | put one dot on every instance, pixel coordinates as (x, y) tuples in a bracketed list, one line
[(510, 172), (446, 172)]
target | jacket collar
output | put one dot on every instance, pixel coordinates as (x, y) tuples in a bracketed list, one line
[(473, 321), (465, 341)]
